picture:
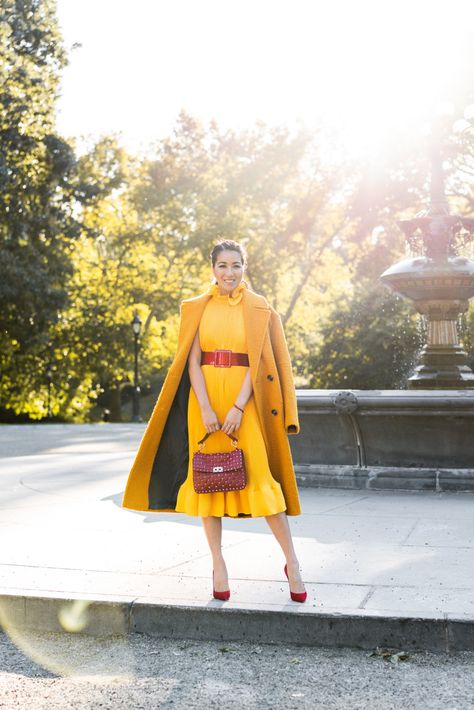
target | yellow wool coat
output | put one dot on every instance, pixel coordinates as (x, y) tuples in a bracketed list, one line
[(161, 462)]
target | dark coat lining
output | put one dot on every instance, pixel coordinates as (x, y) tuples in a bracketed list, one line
[(170, 465)]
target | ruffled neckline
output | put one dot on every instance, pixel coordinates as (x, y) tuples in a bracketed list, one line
[(233, 298)]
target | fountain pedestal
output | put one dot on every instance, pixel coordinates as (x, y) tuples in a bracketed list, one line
[(441, 289), (443, 362)]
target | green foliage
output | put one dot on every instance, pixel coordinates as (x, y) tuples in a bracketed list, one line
[(35, 226), (371, 339), (370, 343), (41, 188), (34, 164)]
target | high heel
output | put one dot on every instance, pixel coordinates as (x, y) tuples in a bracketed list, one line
[(296, 596), (223, 596)]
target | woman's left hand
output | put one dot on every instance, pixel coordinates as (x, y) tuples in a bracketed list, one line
[(232, 421)]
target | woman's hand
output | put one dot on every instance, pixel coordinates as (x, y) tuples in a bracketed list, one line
[(210, 420), (232, 421)]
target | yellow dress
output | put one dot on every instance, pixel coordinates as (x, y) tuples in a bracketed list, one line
[(222, 327)]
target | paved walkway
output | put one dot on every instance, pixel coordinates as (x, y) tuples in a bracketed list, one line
[(364, 554)]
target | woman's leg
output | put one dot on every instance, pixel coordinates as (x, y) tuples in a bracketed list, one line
[(279, 526), (213, 529)]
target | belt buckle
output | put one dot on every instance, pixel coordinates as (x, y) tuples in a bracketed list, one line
[(222, 358)]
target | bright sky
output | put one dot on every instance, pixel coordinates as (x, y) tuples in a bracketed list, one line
[(366, 66)]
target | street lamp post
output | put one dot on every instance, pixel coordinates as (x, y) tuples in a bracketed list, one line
[(49, 377), (136, 325)]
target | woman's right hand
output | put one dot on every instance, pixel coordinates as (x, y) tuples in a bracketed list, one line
[(210, 420)]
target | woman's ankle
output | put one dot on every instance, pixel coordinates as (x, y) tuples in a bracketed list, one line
[(293, 563), (219, 562)]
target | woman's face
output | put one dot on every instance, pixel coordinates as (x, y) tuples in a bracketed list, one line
[(228, 270)]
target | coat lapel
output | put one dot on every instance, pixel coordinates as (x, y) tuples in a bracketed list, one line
[(191, 316), (256, 317)]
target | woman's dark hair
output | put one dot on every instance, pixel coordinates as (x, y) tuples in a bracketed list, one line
[(228, 245)]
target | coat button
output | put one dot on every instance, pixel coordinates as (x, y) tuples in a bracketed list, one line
[(270, 377), (274, 412)]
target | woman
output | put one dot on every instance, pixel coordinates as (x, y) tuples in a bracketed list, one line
[(249, 394)]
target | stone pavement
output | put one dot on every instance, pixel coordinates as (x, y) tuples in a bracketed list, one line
[(381, 568)]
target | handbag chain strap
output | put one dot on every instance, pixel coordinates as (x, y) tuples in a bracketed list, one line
[(201, 443)]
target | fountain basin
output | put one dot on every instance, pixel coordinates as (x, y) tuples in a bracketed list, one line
[(426, 278), (385, 439)]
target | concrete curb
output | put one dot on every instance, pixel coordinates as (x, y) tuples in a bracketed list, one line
[(103, 618)]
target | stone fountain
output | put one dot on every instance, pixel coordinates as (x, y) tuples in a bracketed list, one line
[(420, 438), (440, 283)]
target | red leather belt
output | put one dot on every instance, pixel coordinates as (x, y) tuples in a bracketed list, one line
[(224, 358)]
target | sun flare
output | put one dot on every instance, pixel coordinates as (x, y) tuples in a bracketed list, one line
[(366, 68)]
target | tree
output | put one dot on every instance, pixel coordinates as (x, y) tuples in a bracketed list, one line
[(266, 188), (41, 189), (371, 340)]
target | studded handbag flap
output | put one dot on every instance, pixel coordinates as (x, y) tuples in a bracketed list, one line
[(223, 471)]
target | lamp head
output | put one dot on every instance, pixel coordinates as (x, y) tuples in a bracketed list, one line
[(136, 324)]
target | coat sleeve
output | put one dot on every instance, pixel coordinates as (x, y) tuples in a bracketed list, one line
[(285, 373)]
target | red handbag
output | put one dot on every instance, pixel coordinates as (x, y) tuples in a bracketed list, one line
[(219, 472)]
